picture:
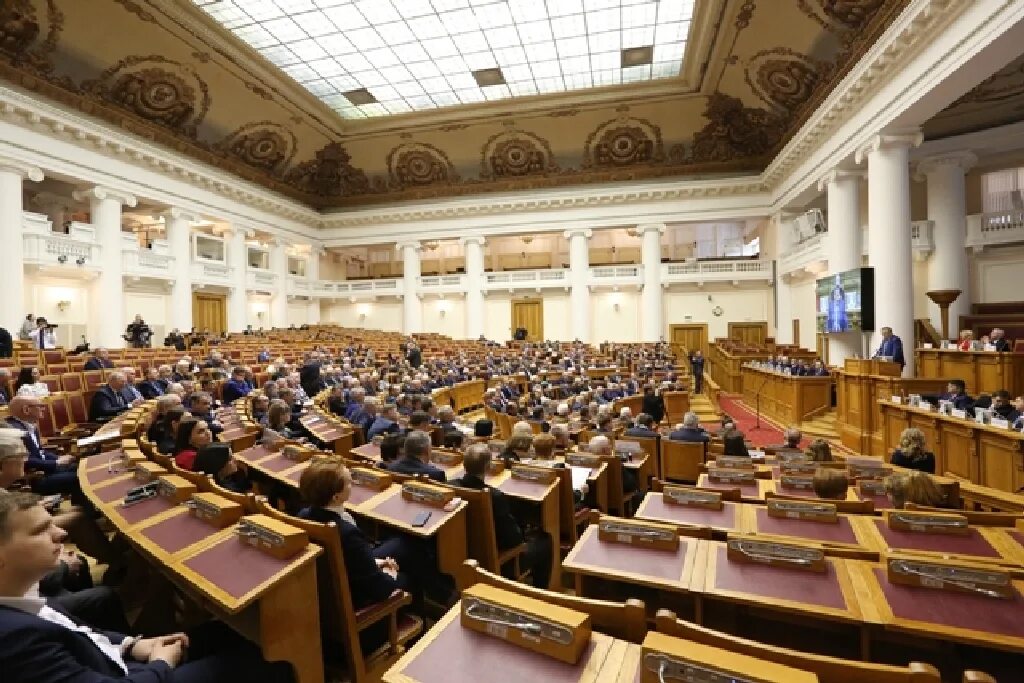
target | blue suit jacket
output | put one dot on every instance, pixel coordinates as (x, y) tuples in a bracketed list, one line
[(413, 466), (691, 435), (39, 459), (893, 348), (151, 388), (105, 406), (34, 649), (234, 390)]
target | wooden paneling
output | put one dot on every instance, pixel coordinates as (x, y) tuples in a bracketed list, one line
[(784, 398), (529, 313), (982, 371), (209, 311), (688, 337), (749, 333)]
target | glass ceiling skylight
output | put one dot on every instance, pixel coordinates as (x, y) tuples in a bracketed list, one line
[(368, 58)]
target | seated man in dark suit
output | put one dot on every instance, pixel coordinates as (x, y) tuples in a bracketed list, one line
[(416, 459), (644, 427), (151, 387), (653, 404), (1002, 406), (201, 407), (997, 338), (385, 423), (537, 556), (40, 643), (108, 402), (691, 430), (59, 471), (956, 393), (100, 360), (236, 387)]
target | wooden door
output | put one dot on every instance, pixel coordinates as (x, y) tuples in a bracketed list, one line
[(209, 311), (796, 332), (688, 337), (749, 333), (529, 313)]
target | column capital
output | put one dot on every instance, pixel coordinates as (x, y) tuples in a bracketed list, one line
[(473, 239), (963, 159), (890, 140), (10, 165), (173, 213), (101, 193), (838, 175), (650, 227), (415, 245), (582, 232), (229, 231)]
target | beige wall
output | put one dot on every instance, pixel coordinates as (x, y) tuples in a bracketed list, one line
[(609, 324), (380, 315), (747, 305), (996, 275), (445, 316)]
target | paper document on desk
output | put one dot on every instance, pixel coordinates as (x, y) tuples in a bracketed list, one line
[(579, 477)]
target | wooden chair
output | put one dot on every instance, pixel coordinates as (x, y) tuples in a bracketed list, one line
[(623, 620), (54, 357), (246, 500), (72, 381), (681, 460), (570, 519), (93, 379), (975, 518), (483, 540), (677, 404), (828, 669), (57, 369), (650, 446), (339, 620), (52, 383)]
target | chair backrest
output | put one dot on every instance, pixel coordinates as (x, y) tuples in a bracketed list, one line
[(72, 381), (93, 379), (56, 368), (616, 495), (52, 382), (78, 407), (852, 507), (828, 669), (566, 506), (623, 620), (681, 460), (246, 500), (648, 445), (483, 539), (337, 609), (677, 404), (54, 357), (59, 411)]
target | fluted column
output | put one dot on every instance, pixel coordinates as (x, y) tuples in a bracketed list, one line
[(107, 298), (474, 248), (843, 247), (412, 310), (783, 298), (947, 210), (238, 262), (579, 281), (890, 252), (178, 229), (279, 266), (313, 276), (652, 324), (12, 268)]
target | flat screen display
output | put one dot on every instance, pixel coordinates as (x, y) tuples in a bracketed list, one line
[(846, 301)]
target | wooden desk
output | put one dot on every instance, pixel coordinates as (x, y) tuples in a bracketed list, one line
[(728, 519), (982, 371), (453, 654), (784, 398), (725, 368), (849, 537), (930, 613), (858, 415), (981, 544), (753, 493), (982, 454)]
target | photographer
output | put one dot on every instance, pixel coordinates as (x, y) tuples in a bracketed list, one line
[(138, 333), (43, 337)]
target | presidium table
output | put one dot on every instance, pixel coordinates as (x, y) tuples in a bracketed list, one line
[(784, 398), (984, 372)]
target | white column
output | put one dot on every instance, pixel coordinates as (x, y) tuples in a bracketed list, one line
[(412, 309), (279, 266), (889, 236), (843, 247), (238, 261), (579, 281), (947, 210), (652, 325), (474, 248), (783, 298), (178, 230), (12, 269), (313, 275), (107, 297)]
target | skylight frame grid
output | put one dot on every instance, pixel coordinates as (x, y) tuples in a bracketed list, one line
[(392, 47)]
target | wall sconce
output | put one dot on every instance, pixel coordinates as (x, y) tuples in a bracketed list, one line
[(63, 306), (80, 261), (615, 306)]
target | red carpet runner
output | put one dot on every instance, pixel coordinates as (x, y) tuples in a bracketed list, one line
[(768, 435)]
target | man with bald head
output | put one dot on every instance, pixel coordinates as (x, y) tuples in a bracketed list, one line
[(508, 532)]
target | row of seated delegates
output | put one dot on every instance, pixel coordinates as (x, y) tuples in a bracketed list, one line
[(996, 340), (1001, 402), (39, 641), (799, 367)]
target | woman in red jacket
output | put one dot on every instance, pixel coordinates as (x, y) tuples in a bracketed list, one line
[(192, 435)]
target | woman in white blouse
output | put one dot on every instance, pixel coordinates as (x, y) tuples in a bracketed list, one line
[(28, 384)]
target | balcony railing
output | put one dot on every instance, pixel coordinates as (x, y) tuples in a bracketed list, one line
[(443, 284), (921, 239), (527, 279), (803, 254), (260, 280), (147, 263), (998, 228), (743, 270), (211, 272), (43, 247)]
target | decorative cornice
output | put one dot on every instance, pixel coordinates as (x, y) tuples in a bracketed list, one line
[(964, 160), (33, 173), (103, 193), (912, 32), (839, 175)]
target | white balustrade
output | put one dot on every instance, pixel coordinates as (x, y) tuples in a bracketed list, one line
[(443, 283), (143, 262), (260, 280), (527, 279), (43, 247), (921, 239), (998, 228), (743, 270), (803, 254), (209, 272)]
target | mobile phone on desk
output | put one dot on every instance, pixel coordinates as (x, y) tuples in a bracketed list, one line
[(421, 519)]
